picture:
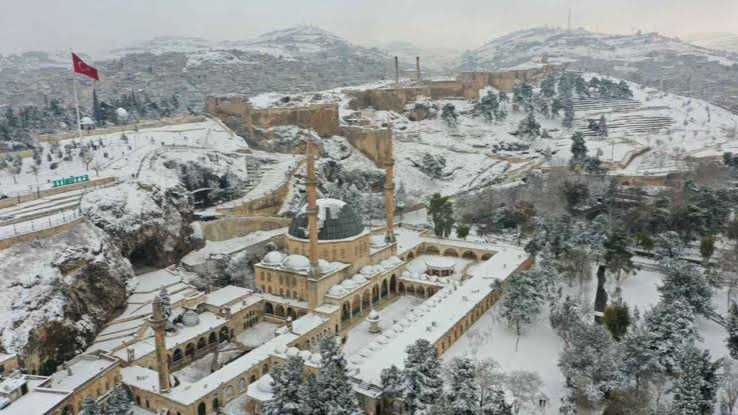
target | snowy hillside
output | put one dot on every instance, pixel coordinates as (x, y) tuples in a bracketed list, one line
[(560, 45), (720, 41)]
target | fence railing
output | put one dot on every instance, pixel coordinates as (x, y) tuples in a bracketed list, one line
[(38, 224)]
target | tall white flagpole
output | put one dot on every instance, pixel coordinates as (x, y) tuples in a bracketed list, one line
[(76, 100)]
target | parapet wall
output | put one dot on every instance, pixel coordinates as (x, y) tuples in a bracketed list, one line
[(506, 80), (236, 226), (395, 99), (374, 143), (40, 234), (55, 191), (323, 118)]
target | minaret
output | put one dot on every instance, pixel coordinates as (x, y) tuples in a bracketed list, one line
[(417, 67), (389, 190), (397, 72), (159, 322), (311, 183)]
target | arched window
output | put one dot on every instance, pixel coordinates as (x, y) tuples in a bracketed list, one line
[(242, 385), (229, 393)]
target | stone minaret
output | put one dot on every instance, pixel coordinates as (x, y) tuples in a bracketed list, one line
[(417, 67), (397, 72), (311, 183), (389, 190), (159, 323)]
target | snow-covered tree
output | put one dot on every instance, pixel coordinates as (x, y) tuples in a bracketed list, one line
[(568, 106), (548, 87), (578, 151), (309, 397), (449, 115), (695, 388), (529, 128), (545, 272), (462, 396), (90, 407), (166, 302), (391, 378), (287, 379), (522, 302), (119, 402), (433, 165), (335, 392), (732, 328), (617, 319), (640, 360), (672, 330), (488, 106), (617, 255), (668, 247), (440, 210), (728, 391), (684, 281), (593, 362), (422, 383)]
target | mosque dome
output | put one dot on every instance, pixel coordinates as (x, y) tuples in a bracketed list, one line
[(337, 291), (358, 278), (325, 266), (265, 384), (274, 258), (296, 263), (336, 220), (348, 285), (190, 318)]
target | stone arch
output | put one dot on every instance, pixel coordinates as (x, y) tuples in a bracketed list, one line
[(224, 334), (375, 294), (229, 393), (252, 379), (410, 256), (177, 355), (216, 404), (201, 343), (190, 350), (393, 284), (366, 301), (385, 289), (411, 289), (486, 256), (451, 252), (279, 311), (469, 255), (432, 250), (242, 386), (402, 288), (269, 308), (291, 313), (265, 369), (346, 311), (213, 338), (355, 306), (201, 409)]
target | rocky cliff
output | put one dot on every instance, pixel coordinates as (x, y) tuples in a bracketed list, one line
[(57, 293)]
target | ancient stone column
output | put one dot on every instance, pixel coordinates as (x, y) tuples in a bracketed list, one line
[(158, 322)]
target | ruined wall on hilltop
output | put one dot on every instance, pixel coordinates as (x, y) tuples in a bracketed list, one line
[(387, 99), (506, 80), (454, 89), (238, 114), (372, 142)]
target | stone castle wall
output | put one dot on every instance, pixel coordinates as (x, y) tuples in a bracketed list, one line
[(236, 226), (372, 142)]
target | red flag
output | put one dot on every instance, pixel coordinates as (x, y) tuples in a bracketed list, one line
[(81, 67)]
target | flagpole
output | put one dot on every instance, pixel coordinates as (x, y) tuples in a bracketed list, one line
[(76, 100)]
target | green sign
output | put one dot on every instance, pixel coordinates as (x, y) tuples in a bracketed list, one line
[(70, 180)]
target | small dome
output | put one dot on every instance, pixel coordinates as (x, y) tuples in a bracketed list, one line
[(121, 113), (348, 285), (274, 258), (293, 351), (377, 241), (368, 270), (190, 318), (265, 384), (325, 266), (315, 358), (296, 263), (280, 349), (358, 278), (373, 315), (86, 121), (388, 264), (405, 274), (305, 355), (337, 291)]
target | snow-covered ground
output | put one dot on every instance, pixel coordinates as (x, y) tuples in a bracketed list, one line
[(461, 265), (201, 367)]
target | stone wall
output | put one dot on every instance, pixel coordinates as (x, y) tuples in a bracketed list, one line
[(39, 234), (506, 80), (235, 226), (387, 99), (54, 191), (372, 142), (50, 138), (238, 113)]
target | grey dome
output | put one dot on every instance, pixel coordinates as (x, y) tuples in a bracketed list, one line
[(336, 220)]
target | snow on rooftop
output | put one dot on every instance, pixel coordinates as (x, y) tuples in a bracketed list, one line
[(226, 295), (81, 370), (257, 335), (441, 312)]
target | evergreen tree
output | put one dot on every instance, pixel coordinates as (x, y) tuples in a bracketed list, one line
[(617, 255), (522, 303), (422, 383), (568, 106), (488, 106), (440, 210), (90, 407), (640, 360), (732, 328), (684, 281), (96, 112), (433, 165), (448, 114), (695, 388), (391, 378), (672, 330), (462, 397), (548, 87), (120, 402), (602, 127), (617, 319), (335, 394), (529, 128), (287, 379), (669, 247), (578, 151), (309, 397)]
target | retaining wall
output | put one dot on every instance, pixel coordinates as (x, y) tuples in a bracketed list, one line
[(40, 234)]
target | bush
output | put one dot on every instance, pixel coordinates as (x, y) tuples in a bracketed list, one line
[(617, 319)]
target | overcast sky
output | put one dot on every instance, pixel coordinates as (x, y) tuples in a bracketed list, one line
[(88, 25)]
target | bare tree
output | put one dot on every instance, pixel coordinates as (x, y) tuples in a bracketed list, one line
[(524, 385), (34, 169), (96, 165)]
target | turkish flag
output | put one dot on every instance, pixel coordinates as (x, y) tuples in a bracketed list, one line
[(81, 67)]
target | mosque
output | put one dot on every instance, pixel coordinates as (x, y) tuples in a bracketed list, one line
[(333, 277)]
